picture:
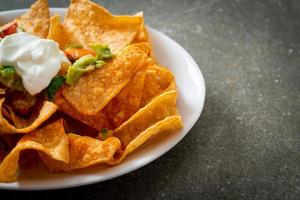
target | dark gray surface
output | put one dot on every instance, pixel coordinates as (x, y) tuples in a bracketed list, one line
[(246, 144)]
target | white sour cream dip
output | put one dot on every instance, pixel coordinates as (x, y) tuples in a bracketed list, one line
[(35, 60)]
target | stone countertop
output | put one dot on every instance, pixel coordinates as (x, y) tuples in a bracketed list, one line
[(246, 144)]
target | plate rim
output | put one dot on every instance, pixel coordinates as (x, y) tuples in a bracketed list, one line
[(196, 68)]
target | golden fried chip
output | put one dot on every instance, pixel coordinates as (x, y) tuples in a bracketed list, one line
[(86, 22), (93, 91), (170, 123), (118, 110), (143, 36), (85, 151), (51, 140), (158, 79), (56, 31), (146, 47), (97, 121), (46, 111), (127, 102), (159, 108), (36, 20)]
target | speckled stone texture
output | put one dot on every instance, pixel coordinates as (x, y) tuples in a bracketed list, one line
[(246, 145)]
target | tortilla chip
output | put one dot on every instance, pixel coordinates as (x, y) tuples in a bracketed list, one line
[(56, 31), (143, 36), (46, 111), (51, 140), (158, 109), (36, 20), (146, 47), (127, 102), (168, 124), (85, 151), (158, 80), (86, 22), (94, 90), (97, 121), (118, 110)]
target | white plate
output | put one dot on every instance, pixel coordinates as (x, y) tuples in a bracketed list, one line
[(190, 104)]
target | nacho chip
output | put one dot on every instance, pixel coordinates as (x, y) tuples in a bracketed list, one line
[(85, 151), (118, 110), (145, 47), (97, 121), (158, 79), (127, 102), (86, 22), (158, 109), (56, 31), (94, 90), (46, 111), (142, 35), (36, 20), (51, 140), (168, 124)]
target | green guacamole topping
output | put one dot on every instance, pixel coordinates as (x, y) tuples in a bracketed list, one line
[(82, 65), (88, 63), (102, 51), (100, 63)]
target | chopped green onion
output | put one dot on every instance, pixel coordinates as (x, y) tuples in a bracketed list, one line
[(54, 86), (102, 51)]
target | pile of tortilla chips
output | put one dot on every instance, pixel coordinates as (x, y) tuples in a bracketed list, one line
[(118, 107)]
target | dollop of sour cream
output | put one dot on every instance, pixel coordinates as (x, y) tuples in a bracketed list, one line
[(35, 60)]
